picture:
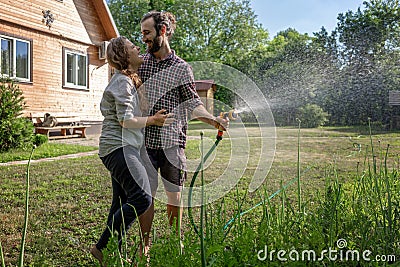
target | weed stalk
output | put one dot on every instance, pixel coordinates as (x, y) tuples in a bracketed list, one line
[(203, 254), (22, 251), (298, 168), (2, 256), (389, 201)]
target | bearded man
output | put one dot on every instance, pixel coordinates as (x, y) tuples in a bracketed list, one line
[(169, 84)]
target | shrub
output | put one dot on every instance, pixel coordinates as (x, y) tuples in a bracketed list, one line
[(40, 139), (312, 116), (15, 131)]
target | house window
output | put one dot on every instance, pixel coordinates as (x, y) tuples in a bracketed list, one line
[(15, 58), (75, 69)]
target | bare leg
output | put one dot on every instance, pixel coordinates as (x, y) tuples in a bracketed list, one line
[(174, 208), (146, 221), (97, 254), (175, 211)]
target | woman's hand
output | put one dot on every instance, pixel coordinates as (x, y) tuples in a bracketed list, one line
[(161, 119)]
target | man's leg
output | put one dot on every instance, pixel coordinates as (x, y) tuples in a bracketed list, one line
[(174, 174), (174, 209)]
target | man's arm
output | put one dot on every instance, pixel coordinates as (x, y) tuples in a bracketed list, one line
[(203, 115)]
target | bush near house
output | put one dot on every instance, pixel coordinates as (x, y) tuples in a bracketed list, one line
[(15, 131)]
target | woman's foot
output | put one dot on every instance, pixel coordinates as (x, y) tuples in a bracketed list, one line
[(97, 254), (144, 253)]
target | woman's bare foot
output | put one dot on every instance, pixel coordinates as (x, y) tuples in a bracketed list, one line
[(97, 254), (144, 252)]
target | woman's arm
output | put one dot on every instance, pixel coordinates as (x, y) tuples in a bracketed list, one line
[(158, 119)]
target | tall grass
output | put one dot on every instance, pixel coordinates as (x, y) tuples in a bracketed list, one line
[(202, 245), (298, 169), (26, 217), (359, 215), (3, 264), (362, 210)]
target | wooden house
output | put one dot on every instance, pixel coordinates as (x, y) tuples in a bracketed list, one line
[(206, 90), (56, 51)]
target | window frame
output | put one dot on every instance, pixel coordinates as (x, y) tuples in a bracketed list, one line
[(27, 65), (75, 84)]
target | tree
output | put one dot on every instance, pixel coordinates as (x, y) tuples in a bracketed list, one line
[(216, 30), (207, 30), (291, 72), (369, 42), (15, 131)]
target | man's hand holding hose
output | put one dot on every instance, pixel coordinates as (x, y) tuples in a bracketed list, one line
[(221, 123)]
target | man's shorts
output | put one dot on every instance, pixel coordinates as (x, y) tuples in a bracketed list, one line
[(171, 163)]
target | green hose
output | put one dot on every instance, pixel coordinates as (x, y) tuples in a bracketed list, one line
[(229, 223), (219, 138)]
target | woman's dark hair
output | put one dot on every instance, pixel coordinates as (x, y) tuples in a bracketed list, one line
[(117, 57), (162, 18)]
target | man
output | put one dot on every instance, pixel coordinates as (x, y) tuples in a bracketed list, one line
[(169, 83)]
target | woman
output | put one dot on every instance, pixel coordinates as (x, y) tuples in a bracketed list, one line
[(121, 139)]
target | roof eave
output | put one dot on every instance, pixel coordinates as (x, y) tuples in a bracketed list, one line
[(106, 18)]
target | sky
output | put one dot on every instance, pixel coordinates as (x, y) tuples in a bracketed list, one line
[(306, 16)]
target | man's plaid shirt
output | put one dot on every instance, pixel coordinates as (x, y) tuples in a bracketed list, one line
[(169, 85)]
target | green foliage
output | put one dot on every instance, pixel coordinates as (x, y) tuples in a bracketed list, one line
[(312, 116), (348, 72), (292, 73), (14, 130), (219, 31), (366, 54), (111, 254), (211, 30), (40, 139)]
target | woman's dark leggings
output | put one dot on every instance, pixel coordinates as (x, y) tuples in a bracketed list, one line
[(129, 185)]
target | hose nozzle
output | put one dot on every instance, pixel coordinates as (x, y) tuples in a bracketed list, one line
[(231, 115)]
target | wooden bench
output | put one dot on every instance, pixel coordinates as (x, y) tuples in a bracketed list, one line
[(64, 126)]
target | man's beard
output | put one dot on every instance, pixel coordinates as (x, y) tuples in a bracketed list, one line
[(155, 45)]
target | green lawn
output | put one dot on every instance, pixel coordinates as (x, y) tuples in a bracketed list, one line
[(47, 150), (345, 193)]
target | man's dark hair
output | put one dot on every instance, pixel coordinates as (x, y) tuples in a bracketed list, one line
[(160, 19)]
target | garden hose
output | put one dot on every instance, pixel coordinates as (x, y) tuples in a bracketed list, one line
[(231, 115), (218, 139), (228, 225)]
